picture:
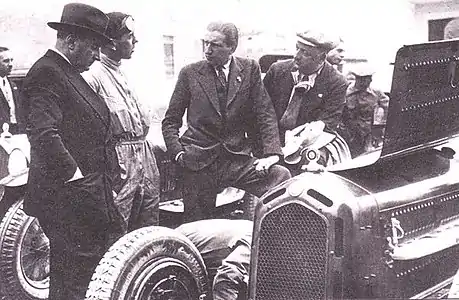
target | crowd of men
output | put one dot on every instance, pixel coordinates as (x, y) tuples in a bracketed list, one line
[(93, 175)]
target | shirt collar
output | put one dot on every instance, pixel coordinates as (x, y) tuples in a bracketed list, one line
[(61, 54), (297, 76), (227, 65), (112, 64)]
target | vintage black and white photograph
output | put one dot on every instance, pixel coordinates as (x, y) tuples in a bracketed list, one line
[(229, 149)]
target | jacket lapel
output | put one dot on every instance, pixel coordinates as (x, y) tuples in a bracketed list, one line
[(80, 85), (14, 90), (236, 77), (3, 99), (320, 85), (207, 81)]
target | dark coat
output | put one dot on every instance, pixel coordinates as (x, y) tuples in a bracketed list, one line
[(325, 101), (68, 126), (208, 133)]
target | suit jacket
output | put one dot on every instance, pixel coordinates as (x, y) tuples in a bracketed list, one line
[(68, 126), (5, 109), (208, 131), (324, 101)]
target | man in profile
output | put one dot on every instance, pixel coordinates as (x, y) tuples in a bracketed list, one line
[(336, 56), (137, 185), (72, 157)]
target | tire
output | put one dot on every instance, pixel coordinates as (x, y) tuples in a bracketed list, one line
[(24, 256), (150, 263)]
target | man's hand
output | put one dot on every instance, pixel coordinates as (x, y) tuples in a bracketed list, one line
[(179, 159), (263, 164), (311, 132)]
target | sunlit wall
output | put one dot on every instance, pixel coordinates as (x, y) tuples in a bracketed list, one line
[(372, 29)]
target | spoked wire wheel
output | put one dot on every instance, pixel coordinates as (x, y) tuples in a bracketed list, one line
[(24, 256), (151, 263)]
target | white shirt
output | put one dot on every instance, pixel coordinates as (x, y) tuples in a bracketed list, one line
[(225, 68), (299, 80), (8, 93)]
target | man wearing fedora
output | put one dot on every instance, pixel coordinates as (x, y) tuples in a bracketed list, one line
[(72, 155), (309, 96)]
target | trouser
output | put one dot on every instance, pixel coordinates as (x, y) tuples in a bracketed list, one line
[(75, 251), (225, 246), (201, 187), (137, 185)]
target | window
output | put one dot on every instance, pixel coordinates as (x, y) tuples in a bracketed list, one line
[(436, 28), (169, 55)]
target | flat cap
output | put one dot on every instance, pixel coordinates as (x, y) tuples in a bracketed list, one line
[(362, 70), (318, 39)]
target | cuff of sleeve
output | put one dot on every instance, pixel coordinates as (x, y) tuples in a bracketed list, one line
[(178, 155)]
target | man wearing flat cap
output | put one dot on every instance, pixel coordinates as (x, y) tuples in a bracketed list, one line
[(365, 113), (72, 155), (137, 185), (309, 96)]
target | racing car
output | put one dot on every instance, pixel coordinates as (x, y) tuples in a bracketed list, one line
[(383, 225)]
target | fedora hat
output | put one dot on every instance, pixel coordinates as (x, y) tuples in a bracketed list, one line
[(83, 17)]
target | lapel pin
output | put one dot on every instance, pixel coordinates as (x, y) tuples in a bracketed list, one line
[(319, 95), (239, 79)]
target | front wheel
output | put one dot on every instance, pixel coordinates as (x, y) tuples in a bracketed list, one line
[(151, 263), (24, 256)]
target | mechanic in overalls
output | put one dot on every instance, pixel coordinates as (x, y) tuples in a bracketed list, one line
[(136, 187)]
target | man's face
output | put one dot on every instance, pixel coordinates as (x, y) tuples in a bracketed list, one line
[(308, 59), (362, 82), (85, 52), (6, 63), (336, 55), (217, 52), (126, 44)]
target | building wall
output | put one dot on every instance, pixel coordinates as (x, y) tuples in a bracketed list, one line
[(372, 29)]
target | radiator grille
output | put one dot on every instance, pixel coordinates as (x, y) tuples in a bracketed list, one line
[(292, 256)]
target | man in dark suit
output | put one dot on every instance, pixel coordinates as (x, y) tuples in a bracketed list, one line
[(72, 156), (308, 94), (224, 98), (9, 96)]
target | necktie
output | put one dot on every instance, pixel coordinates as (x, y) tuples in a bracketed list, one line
[(290, 116), (222, 89), (221, 75)]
